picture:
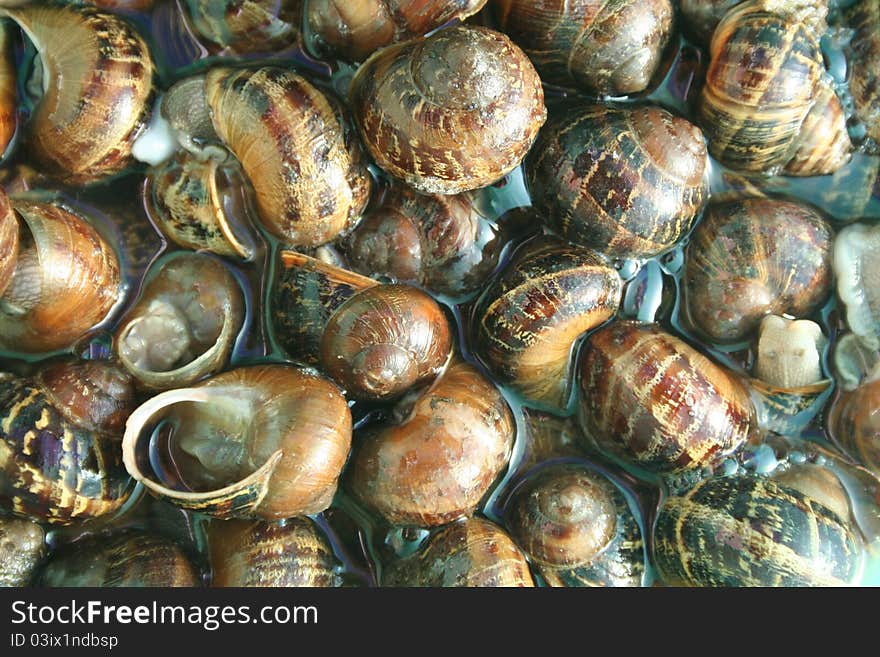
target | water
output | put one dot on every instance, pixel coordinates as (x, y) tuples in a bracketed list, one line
[(652, 293)]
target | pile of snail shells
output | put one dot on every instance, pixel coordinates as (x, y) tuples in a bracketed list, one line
[(310, 323)]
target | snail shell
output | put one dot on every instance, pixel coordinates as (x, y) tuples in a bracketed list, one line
[(354, 30), (8, 92), (8, 242), (864, 80), (700, 17), (197, 204), (259, 554), (126, 5), (577, 527), (754, 257), (626, 182), (443, 243), (608, 48), (128, 558), (451, 112), (547, 436), (59, 452), (438, 463), (22, 546), (767, 105), (856, 260), (185, 323), (752, 531), (652, 400), (98, 80), (527, 322), (267, 441), (309, 179), (245, 26), (854, 421), (472, 552)]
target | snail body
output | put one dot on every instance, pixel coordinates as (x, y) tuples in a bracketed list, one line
[(451, 112), (628, 182), (608, 48), (652, 400), (855, 265)]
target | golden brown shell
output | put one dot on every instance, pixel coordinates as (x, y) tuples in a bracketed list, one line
[(438, 463), (22, 546), (652, 400), (469, 553), (451, 112), (608, 48), (99, 78), (246, 26), (854, 422), (309, 180), (8, 92), (8, 241), (259, 554)]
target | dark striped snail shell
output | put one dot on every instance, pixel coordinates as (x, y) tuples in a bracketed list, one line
[(439, 462), (526, 323), (451, 112), (125, 559), (354, 30), (745, 530), (266, 441), (628, 182), (443, 243), (608, 48), (245, 26), (755, 257), (309, 179), (98, 81), (292, 553), (577, 528), (768, 104), (185, 323), (60, 441), (652, 400), (469, 553), (22, 547), (864, 80)]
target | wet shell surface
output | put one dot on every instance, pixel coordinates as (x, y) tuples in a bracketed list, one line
[(245, 26), (22, 547), (854, 421), (864, 80), (857, 268)]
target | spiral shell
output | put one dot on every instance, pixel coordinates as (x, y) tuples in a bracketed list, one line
[(864, 64), (854, 421), (354, 30), (755, 257), (438, 463), (124, 559), (608, 48), (652, 400), (245, 26), (310, 183), (626, 182), (768, 105), (527, 322), (449, 113), (59, 455), (469, 553), (185, 323), (99, 78), (266, 441), (259, 554), (750, 531), (22, 546)]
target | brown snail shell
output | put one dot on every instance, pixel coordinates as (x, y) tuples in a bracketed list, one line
[(8, 242), (259, 554), (197, 204), (652, 400), (99, 78), (451, 112), (628, 182), (127, 558), (469, 553), (864, 64), (185, 323), (608, 48), (60, 441), (443, 243), (527, 322), (66, 280), (577, 527), (767, 105), (745, 530), (8, 92), (754, 257), (700, 17), (310, 181), (354, 30), (245, 26), (547, 436), (22, 546), (266, 441), (854, 421), (438, 463)]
